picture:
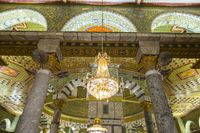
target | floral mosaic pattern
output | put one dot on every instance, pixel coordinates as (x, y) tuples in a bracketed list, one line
[(188, 21), (112, 21), (13, 17)]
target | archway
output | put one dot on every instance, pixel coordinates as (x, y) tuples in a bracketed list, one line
[(176, 22), (92, 22), (22, 20)]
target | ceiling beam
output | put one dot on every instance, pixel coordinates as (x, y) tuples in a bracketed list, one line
[(77, 44)]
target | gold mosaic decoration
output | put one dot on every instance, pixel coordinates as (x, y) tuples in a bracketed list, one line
[(183, 93)]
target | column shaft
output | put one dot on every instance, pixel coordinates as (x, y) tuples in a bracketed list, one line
[(56, 121), (149, 121), (30, 118), (163, 115)]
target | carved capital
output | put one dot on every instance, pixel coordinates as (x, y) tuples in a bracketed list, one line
[(146, 105), (45, 71), (59, 103), (153, 71)]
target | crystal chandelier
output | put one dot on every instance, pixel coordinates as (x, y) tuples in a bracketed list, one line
[(97, 128), (102, 85)]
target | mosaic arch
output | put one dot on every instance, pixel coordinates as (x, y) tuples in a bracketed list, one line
[(92, 22), (22, 20), (176, 22)]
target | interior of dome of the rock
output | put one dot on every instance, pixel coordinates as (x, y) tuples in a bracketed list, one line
[(71, 38)]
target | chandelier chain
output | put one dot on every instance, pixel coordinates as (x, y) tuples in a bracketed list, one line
[(102, 22)]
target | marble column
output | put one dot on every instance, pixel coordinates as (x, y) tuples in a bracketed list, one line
[(56, 121), (163, 115), (30, 118), (148, 118)]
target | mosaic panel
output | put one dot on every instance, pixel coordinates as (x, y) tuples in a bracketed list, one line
[(8, 71), (24, 61), (187, 74), (93, 20), (176, 22), (183, 79), (13, 108), (179, 62), (26, 26), (22, 19), (183, 105)]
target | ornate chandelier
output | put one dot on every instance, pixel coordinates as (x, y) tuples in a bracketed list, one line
[(97, 128), (102, 85)]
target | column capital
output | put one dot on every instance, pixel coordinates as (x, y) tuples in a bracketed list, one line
[(145, 98), (152, 71), (146, 105), (59, 103)]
